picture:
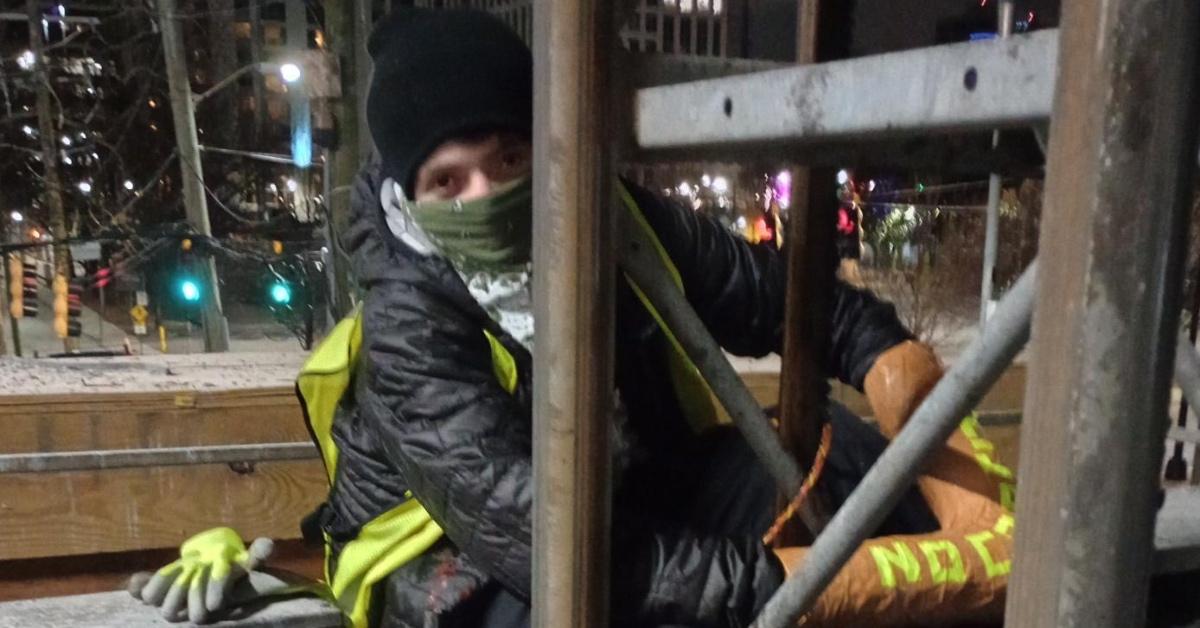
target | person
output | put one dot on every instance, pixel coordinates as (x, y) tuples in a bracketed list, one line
[(421, 403)]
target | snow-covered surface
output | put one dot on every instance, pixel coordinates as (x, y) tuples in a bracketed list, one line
[(149, 373)]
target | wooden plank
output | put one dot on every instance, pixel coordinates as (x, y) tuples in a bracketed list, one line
[(141, 422), (57, 514), (118, 609)]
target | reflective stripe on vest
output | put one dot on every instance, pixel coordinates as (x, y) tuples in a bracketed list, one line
[(691, 389), (399, 535), (406, 531)]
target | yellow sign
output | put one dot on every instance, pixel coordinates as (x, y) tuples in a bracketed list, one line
[(140, 314)]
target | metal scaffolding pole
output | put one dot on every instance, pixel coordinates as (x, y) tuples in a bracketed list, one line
[(991, 238), (1119, 172), (573, 309), (894, 473), (955, 87)]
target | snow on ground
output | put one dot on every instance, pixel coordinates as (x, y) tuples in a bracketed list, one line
[(149, 373)]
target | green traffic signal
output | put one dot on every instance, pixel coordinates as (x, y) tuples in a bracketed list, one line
[(190, 290), (281, 294)]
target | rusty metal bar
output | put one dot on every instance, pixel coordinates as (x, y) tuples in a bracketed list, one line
[(1119, 172), (47, 462), (979, 366), (573, 310), (810, 277)]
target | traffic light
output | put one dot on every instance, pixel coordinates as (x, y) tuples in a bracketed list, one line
[(74, 308), (281, 293), (16, 289), (103, 277), (189, 289), (29, 288), (61, 309)]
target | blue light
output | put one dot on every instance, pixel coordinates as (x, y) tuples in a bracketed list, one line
[(302, 150), (281, 293), (190, 290), (983, 36)]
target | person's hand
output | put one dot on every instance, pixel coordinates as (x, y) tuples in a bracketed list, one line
[(210, 564)]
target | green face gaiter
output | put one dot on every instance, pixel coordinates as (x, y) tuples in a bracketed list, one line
[(489, 233)]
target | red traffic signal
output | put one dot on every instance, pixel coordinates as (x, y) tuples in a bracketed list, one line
[(103, 277), (29, 286)]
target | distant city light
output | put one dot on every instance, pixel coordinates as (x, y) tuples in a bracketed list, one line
[(128, 184), (292, 185), (66, 140), (85, 187), (289, 72), (706, 180), (67, 160), (871, 185), (16, 216), (27, 130), (26, 60), (842, 177), (720, 185)]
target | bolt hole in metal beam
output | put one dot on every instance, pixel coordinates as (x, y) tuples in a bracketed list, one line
[(970, 79), (728, 107)]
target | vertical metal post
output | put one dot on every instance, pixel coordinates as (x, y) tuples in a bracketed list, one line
[(216, 329), (809, 280), (573, 296), (991, 238), (1120, 164)]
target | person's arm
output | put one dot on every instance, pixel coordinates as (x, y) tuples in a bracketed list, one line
[(738, 289)]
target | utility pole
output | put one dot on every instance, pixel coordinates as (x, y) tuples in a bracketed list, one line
[(49, 144), (343, 163), (216, 330)]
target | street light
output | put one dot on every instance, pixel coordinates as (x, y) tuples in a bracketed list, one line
[(289, 72), (16, 216), (85, 187), (128, 184), (26, 60)]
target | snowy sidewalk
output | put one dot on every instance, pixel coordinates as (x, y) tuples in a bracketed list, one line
[(150, 373)]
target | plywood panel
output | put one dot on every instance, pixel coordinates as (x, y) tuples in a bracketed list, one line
[(58, 514)]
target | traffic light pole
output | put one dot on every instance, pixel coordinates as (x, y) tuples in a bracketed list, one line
[(216, 329)]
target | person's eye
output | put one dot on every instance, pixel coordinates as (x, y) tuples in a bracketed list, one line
[(514, 160)]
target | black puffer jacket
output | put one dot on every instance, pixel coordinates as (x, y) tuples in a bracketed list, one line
[(428, 415)]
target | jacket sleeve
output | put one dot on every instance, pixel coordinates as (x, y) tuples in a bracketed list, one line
[(738, 289), (463, 445)]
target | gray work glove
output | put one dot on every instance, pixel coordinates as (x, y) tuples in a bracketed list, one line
[(215, 571)]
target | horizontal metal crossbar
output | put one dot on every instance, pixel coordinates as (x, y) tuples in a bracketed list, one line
[(156, 457), (957, 87)]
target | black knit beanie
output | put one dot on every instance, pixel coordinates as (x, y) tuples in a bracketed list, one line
[(441, 74)]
